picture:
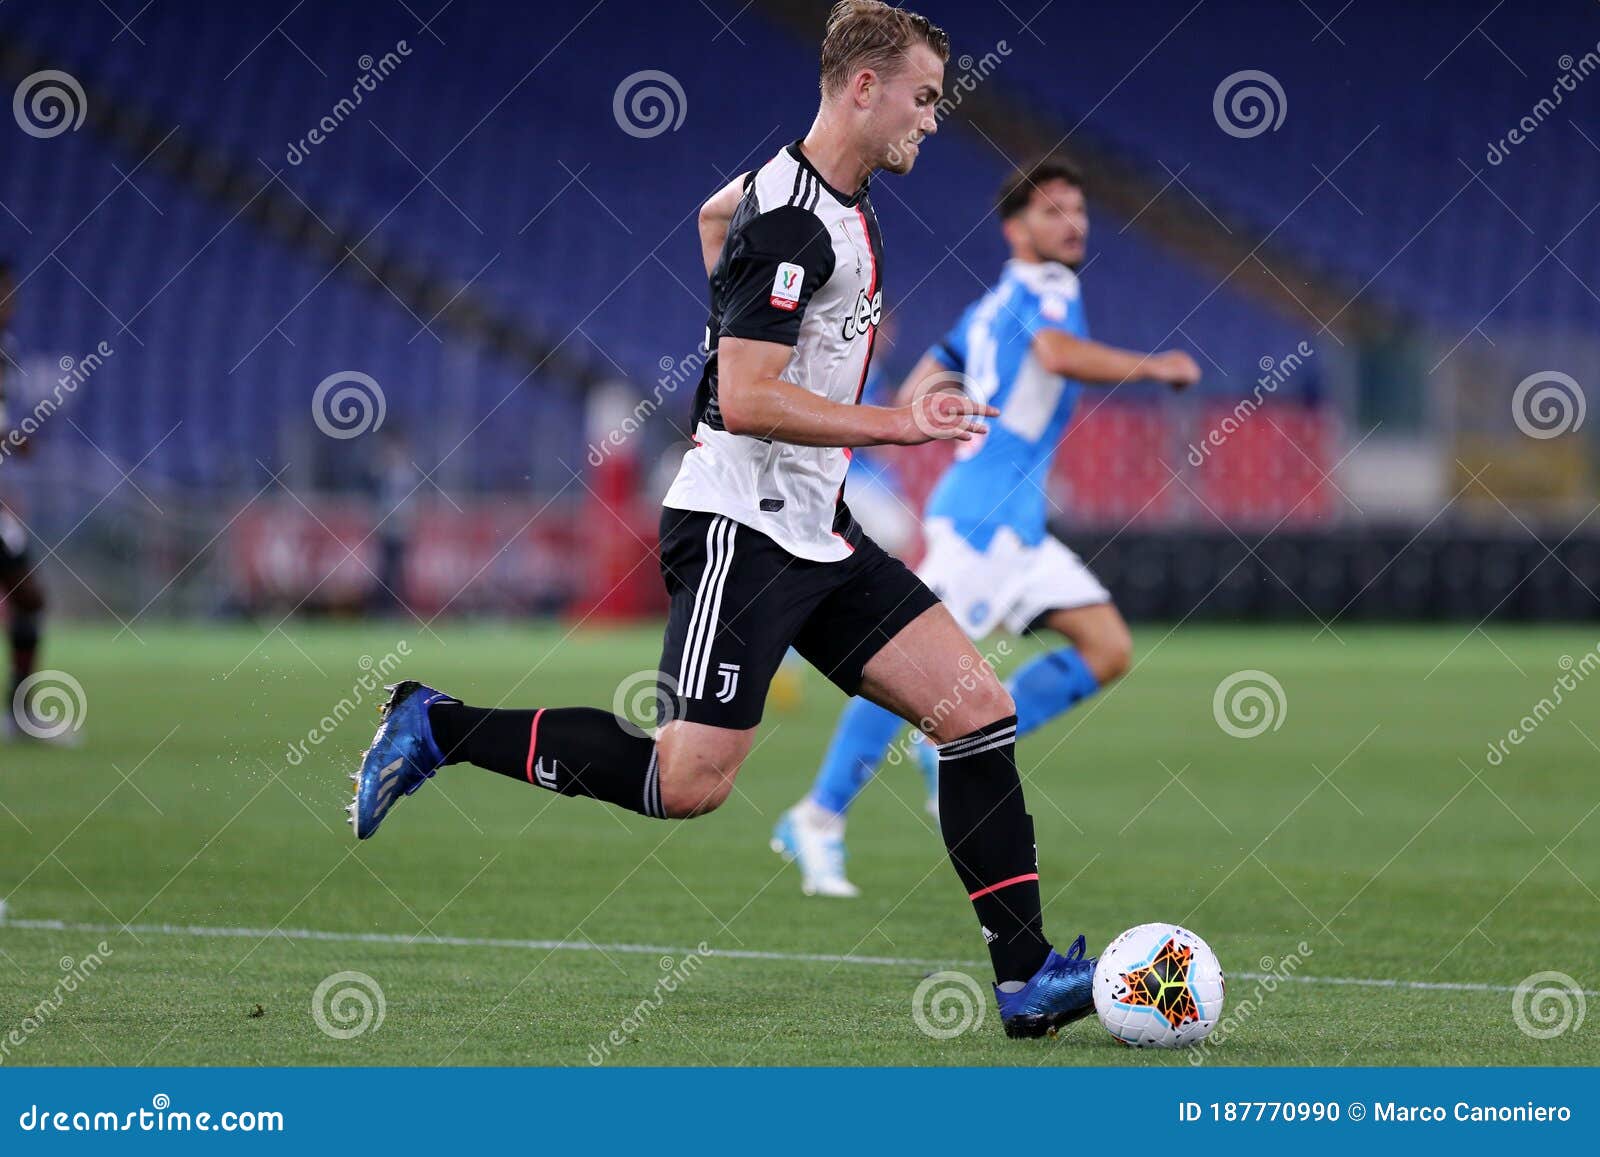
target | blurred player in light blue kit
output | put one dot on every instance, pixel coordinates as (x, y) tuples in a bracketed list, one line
[(1023, 347)]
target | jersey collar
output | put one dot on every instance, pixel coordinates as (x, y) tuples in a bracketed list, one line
[(847, 202), (1041, 276)]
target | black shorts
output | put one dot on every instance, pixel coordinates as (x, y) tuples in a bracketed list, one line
[(13, 543), (740, 601)]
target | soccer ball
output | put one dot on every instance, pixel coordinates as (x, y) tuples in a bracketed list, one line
[(1158, 986)]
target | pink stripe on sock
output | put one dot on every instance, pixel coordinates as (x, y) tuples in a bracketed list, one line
[(533, 741), (1004, 884)]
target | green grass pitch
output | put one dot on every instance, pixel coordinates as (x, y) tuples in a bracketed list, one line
[(1368, 824)]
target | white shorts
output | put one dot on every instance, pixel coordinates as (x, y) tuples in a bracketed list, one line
[(13, 539), (1010, 583)]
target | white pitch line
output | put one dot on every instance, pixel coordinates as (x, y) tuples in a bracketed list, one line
[(1367, 982), (470, 942), (212, 932)]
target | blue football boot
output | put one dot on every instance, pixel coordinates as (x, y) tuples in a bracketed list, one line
[(1061, 991), (403, 755)]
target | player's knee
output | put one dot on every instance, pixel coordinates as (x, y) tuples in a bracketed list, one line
[(996, 704), (1111, 655), (688, 797), (696, 785), (985, 703)]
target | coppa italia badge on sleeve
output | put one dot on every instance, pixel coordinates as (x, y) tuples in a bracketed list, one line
[(786, 286)]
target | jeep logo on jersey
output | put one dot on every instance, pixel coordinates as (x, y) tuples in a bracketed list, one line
[(866, 313)]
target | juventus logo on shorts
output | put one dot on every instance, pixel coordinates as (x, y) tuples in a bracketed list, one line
[(730, 682)]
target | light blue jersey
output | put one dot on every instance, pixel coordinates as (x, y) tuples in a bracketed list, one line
[(996, 482), (999, 479), (868, 465)]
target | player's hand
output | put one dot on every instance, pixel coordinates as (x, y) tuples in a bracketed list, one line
[(937, 416), (1174, 367)]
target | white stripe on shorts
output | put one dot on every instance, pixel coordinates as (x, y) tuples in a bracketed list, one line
[(707, 606)]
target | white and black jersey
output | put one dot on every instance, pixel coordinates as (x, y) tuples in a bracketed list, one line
[(802, 265)]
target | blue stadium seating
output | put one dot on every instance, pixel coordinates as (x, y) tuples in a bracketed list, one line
[(1433, 85), (585, 233)]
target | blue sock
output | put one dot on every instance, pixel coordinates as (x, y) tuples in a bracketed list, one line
[(859, 742), (1048, 686)]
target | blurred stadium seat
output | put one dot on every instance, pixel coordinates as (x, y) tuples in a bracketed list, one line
[(514, 187)]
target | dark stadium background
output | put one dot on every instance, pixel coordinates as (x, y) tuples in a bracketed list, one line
[(502, 241)]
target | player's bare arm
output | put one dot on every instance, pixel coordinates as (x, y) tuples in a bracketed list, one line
[(715, 216), (756, 401), (1097, 364)]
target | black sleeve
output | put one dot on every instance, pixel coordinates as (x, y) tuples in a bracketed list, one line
[(775, 264)]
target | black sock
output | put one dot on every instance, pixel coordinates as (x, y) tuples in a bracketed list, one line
[(569, 750), (24, 639), (989, 834)]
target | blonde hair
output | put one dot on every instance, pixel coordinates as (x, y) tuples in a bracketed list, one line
[(872, 34)]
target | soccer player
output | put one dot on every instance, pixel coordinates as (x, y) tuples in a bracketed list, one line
[(759, 551), (23, 596), (1023, 347)]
